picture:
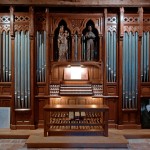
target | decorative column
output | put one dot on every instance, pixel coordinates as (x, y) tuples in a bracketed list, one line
[(32, 65), (12, 66), (120, 66)]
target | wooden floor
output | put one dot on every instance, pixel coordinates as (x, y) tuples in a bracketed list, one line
[(36, 139)]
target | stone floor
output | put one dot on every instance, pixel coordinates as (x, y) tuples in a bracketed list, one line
[(19, 144)]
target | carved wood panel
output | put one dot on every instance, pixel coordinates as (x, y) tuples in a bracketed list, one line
[(76, 22), (4, 22), (21, 21), (146, 22), (95, 74), (76, 100)]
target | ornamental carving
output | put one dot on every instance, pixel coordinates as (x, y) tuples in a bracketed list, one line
[(146, 20), (40, 27), (131, 29), (4, 28), (111, 29), (22, 18), (146, 29), (40, 20), (21, 27), (131, 20), (76, 23), (111, 20), (4, 19)]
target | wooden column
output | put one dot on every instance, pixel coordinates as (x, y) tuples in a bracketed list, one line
[(47, 52), (104, 49), (12, 66), (51, 35), (32, 66), (140, 12), (120, 66)]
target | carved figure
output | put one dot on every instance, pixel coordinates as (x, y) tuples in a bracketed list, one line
[(62, 43), (90, 36)]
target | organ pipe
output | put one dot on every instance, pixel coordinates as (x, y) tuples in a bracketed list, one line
[(5, 54), (145, 57), (83, 48), (111, 56), (41, 55), (22, 70), (4, 58), (76, 46), (9, 57), (130, 70)]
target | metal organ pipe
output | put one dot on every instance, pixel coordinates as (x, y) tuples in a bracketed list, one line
[(133, 43), (37, 62), (114, 55), (16, 69), (4, 56), (76, 46), (130, 70), (109, 68), (40, 60), (22, 70), (124, 72), (145, 57), (19, 71), (41, 56), (136, 69), (44, 57), (28, 68), (25, 70), (9, 57), (83, 47), (111, 56), (147, 48)]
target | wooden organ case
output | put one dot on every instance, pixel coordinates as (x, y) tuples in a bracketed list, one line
[(76, 78), (34, 61)]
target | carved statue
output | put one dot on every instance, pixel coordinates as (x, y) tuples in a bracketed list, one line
[(90, 36), (62, 43)]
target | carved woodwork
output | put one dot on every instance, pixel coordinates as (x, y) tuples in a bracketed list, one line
[(104, 19)]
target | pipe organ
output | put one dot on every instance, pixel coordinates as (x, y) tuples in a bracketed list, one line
[(33, 60)]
